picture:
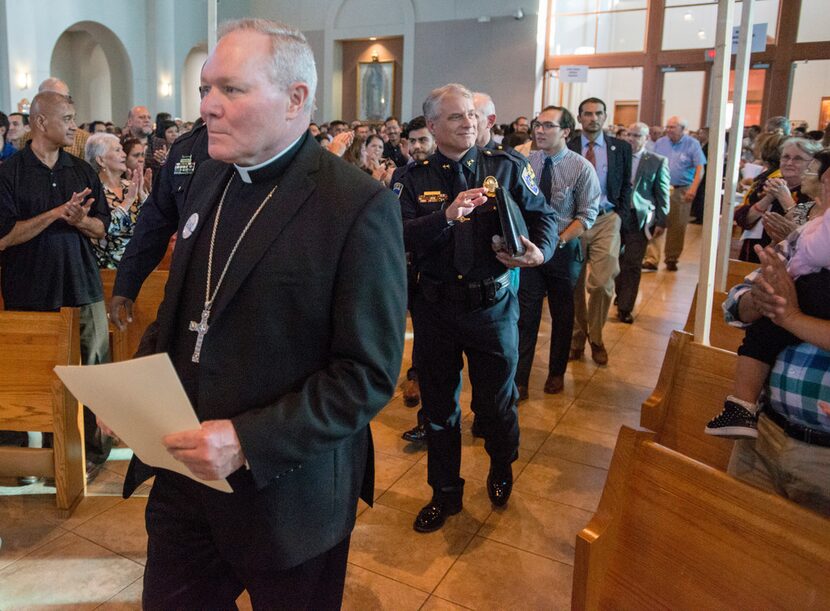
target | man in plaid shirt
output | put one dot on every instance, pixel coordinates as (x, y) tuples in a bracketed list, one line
[(792, 453)]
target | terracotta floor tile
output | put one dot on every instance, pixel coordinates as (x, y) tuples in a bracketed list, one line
[(561, 480), (120, 529), (89, 575), (383, 542), (580, 445), (490, 575), (537, 525), (598, 417), (368, 590)]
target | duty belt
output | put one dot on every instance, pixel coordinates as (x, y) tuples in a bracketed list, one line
[(475, 294)]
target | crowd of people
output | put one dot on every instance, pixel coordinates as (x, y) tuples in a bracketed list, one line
[(319, 291)]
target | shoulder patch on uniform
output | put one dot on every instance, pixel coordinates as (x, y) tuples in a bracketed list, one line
[(397, 188), (529, 178)]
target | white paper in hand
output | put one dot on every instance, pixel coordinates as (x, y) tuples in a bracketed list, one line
[(141, 400)]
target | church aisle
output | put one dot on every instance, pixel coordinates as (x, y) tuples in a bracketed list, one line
[(519, 557)]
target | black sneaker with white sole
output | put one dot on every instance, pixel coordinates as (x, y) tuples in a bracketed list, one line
[(735, 422)]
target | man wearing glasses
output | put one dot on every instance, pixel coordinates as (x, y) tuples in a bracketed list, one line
[(570, 185)]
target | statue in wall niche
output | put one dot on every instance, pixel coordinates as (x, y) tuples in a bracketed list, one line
[(375, 94)]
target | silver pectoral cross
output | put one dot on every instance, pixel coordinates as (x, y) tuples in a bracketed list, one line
[(201, 328)]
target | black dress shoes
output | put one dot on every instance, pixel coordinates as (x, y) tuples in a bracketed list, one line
[(499, 486), (433, 516), (416, 434), (625, 316)]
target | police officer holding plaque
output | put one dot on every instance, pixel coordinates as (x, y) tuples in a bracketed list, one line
[(463, 303)]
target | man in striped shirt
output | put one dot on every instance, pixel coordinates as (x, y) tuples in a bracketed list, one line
[(571, 187)]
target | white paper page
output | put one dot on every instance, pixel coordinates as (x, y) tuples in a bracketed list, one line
[(141, 400), (755, 233)]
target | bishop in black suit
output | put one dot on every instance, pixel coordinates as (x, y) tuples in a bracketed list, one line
[(294, 262)]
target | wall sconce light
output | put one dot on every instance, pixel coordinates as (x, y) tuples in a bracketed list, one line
[(166, 89), (375, 57), (373, 38), (23, 80)]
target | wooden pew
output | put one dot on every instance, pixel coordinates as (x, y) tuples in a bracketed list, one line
[(32, 398), (125, 343), (721, 334), (737, 271), (694, 381), (672, 533)]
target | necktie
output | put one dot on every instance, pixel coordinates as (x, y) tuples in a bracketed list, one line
[(547, 179), (464, 249), (590, 156)]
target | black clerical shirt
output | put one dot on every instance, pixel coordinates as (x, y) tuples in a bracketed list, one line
[(56, 268), (241, 201)]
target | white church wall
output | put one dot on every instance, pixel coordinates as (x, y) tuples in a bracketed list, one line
[(448, 43), (34, 26)]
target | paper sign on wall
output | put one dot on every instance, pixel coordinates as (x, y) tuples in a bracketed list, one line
[(573, 74)]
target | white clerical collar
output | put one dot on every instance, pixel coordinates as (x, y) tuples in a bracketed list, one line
[(244, 171)]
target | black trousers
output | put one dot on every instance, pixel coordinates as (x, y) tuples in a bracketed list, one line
[(196, 562), (444, 332), (764, 339), (555, 279), (631, 262)]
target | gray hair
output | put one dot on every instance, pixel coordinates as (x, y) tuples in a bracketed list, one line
[(811, 147), (642, 127), (97, 145), (293, 59), (432, 105), (781, 124), (484, 102)]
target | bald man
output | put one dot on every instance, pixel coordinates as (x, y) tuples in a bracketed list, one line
[(81, 135), (51, 204), (686, 161), (140, 123)]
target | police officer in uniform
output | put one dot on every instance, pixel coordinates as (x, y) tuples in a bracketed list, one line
[(463, 303), (158, 220)]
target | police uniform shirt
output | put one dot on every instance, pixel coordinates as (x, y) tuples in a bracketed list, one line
[(160, 214), (426, 189)]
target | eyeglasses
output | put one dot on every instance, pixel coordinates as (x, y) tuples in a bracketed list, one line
[(795, 158), (547, 125)]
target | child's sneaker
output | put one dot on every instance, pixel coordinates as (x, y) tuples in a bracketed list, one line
[(735, 421)]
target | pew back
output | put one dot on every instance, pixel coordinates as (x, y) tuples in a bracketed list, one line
[(672, 533), (125, 343), (32, 398), (694, 381)]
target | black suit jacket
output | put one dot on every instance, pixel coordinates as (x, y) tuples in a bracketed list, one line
[(618, 185), (304, 347)]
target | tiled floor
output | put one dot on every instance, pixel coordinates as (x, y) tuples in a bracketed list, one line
[(520, 557)]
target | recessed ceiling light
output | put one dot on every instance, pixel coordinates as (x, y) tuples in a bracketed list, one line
[(701, 34), (688, 16)]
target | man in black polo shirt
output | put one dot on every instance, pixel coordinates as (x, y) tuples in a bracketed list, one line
[(51, 204)]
